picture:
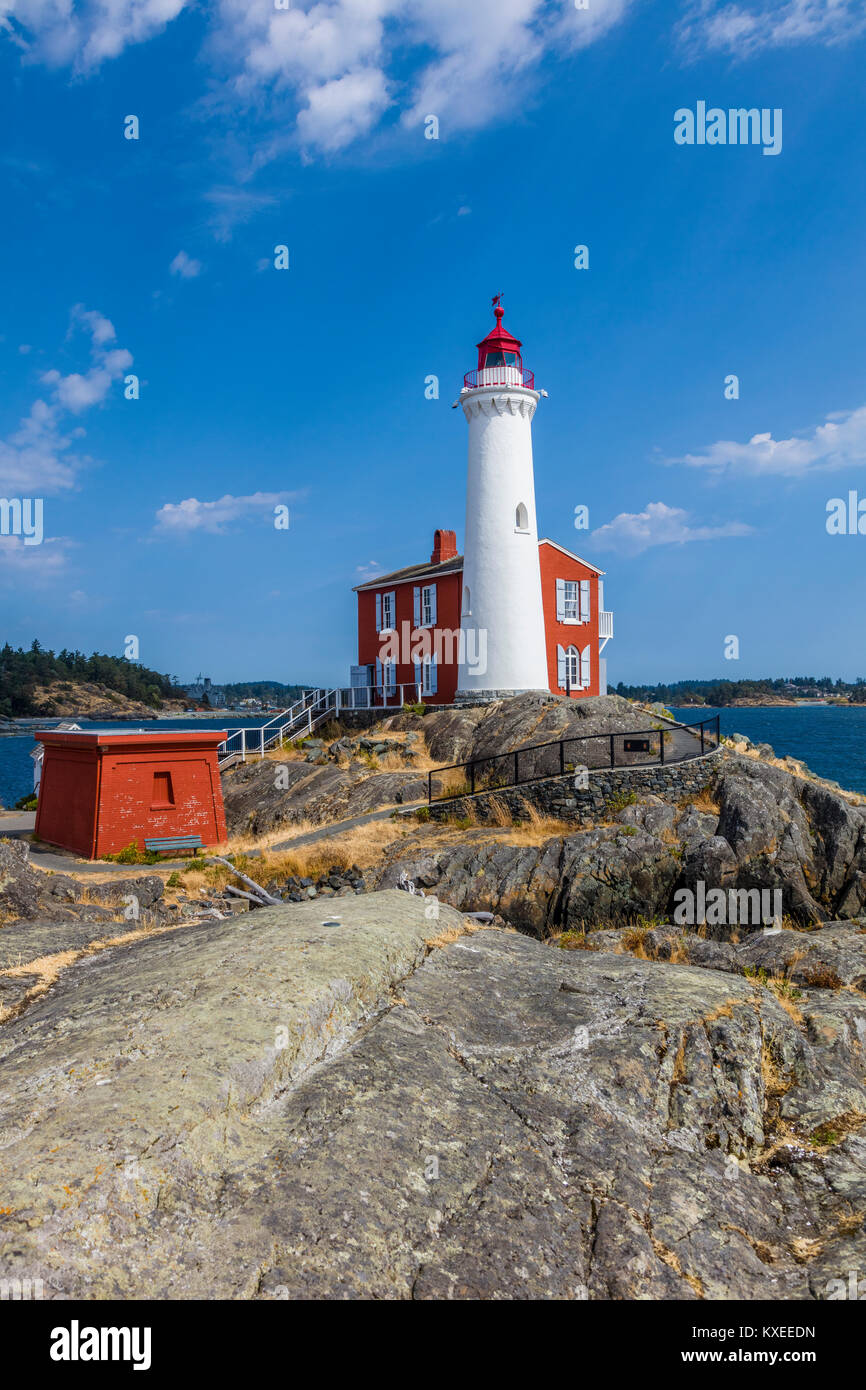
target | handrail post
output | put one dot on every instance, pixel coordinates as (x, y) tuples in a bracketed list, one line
[(612, 752), (516, 772), (661, 745), (561, 756), (472, 777), (243, 745), (429, 787), (262, 740), (702, 736)]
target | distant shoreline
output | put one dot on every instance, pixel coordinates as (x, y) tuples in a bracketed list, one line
[(775, 704)]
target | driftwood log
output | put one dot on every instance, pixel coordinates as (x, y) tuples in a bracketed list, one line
[(263, 894)]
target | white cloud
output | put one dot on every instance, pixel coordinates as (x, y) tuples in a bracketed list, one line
[(327, 71), (743, 30), (839, 443), (37, 564), (232, 207), (182, 518), (339, 111), (631, 532), (368, 570), (330, 69), (36, 460), (61, 32), (185, 266)]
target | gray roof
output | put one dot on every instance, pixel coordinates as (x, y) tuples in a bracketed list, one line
[(428, 571)]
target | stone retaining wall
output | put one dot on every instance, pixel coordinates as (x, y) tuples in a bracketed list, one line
[(557, 796)]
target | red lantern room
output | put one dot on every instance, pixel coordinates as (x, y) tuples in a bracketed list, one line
[(499, 360)]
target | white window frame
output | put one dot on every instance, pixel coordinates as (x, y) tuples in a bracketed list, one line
[(428, 605), (389, 617), (572, 668), (427, 675), (571, 600)]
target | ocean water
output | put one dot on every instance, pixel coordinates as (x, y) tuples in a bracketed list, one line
[(830, 739), (16, 765)]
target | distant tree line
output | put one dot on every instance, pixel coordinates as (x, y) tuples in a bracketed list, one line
[(723, 692), (271, 692), (22, 672)]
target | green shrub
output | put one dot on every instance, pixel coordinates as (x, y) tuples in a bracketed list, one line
[(131, 854), (26, 803), (619, 801)]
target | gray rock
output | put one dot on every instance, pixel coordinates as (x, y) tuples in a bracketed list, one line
[(523, 1123)]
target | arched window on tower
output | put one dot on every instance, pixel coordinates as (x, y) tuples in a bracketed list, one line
[(572, 668), (521, 518), (467, 599)]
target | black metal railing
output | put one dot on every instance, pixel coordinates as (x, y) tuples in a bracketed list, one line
[(675, 743)]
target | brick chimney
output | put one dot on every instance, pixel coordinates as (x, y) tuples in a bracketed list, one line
[(444, 546)]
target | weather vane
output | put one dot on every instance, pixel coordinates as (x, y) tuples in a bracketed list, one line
[(497, 299)]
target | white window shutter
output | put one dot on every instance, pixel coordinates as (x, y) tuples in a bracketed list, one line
[(378, 612), (393, 606), (379, 680), (419, 677), (560, 664), (560, 600), (585, 669), (416, 609), (584, 601), (432, 605), (434, 677)]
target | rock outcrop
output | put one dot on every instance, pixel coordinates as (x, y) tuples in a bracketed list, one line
[(257, 801), (753, 827), (483, 731), (278, 1107)]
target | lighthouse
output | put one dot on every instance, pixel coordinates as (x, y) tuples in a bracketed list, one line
[(502, 640)]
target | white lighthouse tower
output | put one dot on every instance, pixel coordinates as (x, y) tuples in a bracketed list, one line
[(502, 615)]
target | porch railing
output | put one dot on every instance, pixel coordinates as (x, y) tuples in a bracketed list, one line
[(301, 718)]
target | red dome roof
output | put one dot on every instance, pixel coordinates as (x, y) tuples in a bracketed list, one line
[(498, 339)]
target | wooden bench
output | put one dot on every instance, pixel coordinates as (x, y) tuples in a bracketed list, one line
[(174, 842)]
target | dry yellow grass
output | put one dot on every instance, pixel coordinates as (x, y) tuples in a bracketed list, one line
[(702, 801), (364, 845), (452, 934), (49, 968)]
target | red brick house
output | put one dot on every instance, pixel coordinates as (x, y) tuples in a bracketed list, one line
[(409, 626)]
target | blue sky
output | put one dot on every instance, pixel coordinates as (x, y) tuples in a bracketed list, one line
[(305, 127)]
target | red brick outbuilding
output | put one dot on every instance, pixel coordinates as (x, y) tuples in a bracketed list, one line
[(101, 791)]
